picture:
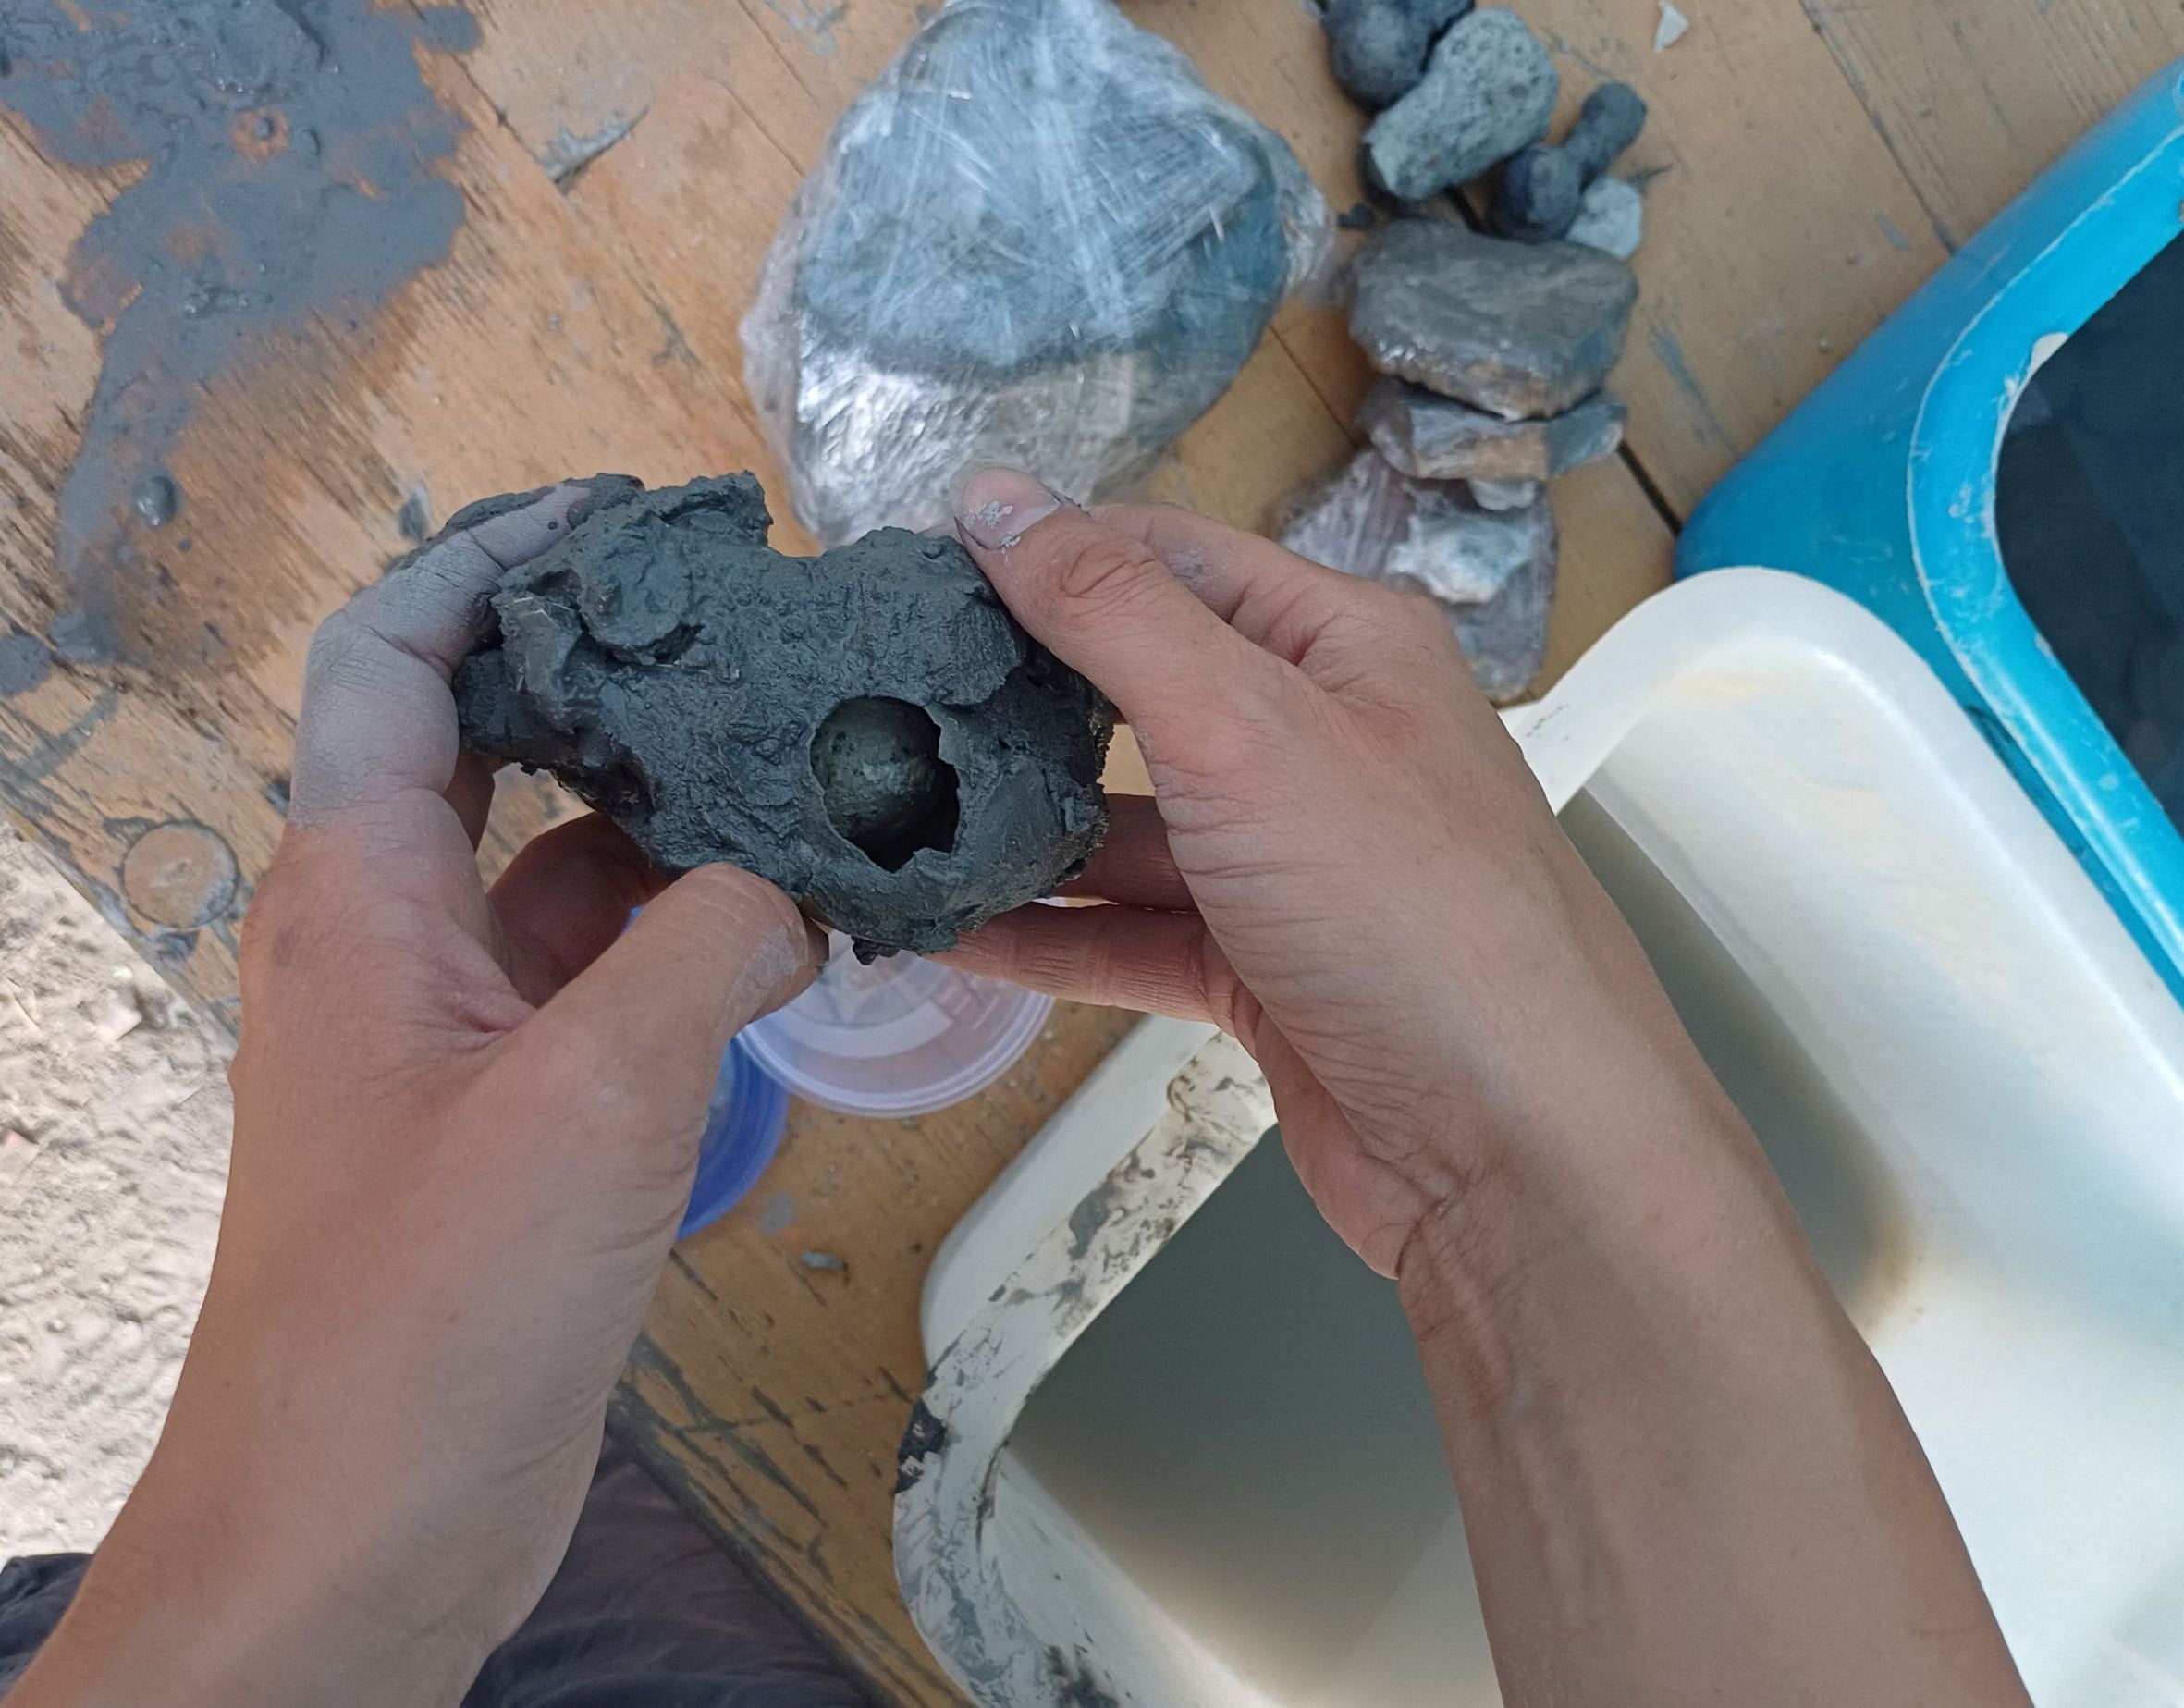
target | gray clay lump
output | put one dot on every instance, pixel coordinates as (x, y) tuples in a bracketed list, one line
[(868, 728)]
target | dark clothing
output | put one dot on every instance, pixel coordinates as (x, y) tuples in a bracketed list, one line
[(33, 1596), (645, 1612)]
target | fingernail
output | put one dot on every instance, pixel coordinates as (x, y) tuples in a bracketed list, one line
[(996, 507)]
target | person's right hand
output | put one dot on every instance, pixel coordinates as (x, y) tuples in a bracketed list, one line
[(1682, 1476), (1346, 864)]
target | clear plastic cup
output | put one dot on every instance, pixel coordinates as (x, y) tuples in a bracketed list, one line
[(903, 1037)]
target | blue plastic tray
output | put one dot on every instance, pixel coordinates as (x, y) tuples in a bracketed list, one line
[(1882, 485)]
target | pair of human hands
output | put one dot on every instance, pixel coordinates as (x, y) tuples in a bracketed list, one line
[(466, 1119)]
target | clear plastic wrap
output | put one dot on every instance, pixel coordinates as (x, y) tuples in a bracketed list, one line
[(1037, 238)]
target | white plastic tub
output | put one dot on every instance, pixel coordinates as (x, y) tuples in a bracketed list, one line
[(1177, 1449)]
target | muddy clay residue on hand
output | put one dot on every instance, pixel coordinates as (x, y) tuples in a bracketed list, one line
[(290, 154)]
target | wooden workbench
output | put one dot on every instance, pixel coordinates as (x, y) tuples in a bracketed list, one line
[(1817, 159)]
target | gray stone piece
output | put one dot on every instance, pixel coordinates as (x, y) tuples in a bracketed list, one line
[(1543, 191), (1378, 47), (1489, 91), (1521, 330), (1433, 438), (1611, 218), (1491, 571), (868, 728), (1506, 638)]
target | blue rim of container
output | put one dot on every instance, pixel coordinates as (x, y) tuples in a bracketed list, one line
[(744, 1119), (2123, 222), (2044, 265)]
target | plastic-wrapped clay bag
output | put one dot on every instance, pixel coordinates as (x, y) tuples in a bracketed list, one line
[(1037, 238)]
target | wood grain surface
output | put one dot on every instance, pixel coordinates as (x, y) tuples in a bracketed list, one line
[(1810, 162)]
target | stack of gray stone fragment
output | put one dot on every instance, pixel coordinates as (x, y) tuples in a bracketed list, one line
[(1493, 349)]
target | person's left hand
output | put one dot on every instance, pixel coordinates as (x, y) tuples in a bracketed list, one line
[(465, 1128)]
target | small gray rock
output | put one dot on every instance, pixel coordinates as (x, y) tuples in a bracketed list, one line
[(1504, 494), (1611, 218), (1522, 330), (1378, 47), (1542, 192), (1373, 521), (1505, 637), (1488, 92), (1537, 196), (1608, 123), (1585, 433), (1491, 571), (1433, 438)]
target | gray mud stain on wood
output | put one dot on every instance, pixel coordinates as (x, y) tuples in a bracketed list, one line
[(1678, 367), (23, 777), (290, 157), (23, 663)]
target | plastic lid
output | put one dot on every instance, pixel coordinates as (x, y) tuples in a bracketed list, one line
[(743, 1123), (902, 1036)]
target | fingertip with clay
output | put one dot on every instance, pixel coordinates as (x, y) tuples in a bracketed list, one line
[(1106, 603), (376, 716), (513, 526), (996, 507)]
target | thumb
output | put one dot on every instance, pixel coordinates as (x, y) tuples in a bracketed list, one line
[(641, 1029), (1102, 601)]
